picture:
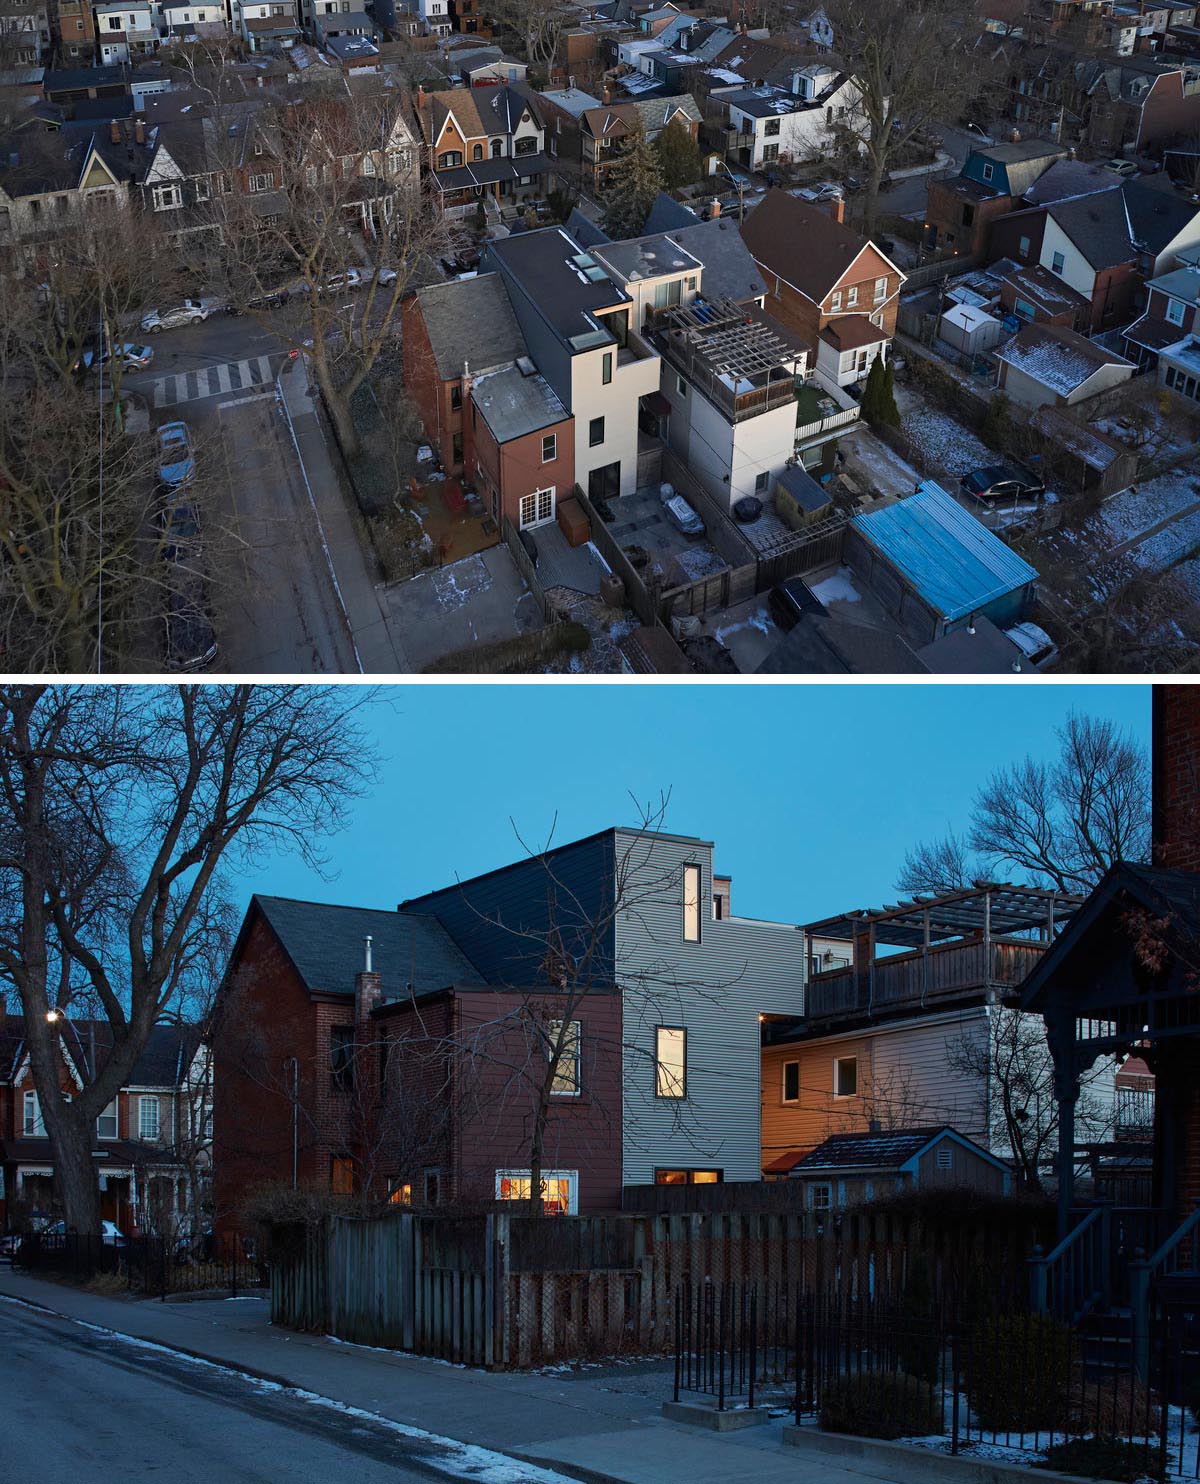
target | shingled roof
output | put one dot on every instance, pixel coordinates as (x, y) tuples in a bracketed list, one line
[(882, 1151), (470, 320), (164, 1061), (325, 945), (801, 243)]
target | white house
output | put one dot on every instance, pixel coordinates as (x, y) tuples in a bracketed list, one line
[(125, 31), (778, 125)]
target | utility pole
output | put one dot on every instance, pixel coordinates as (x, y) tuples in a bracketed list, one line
[(294, 1066)]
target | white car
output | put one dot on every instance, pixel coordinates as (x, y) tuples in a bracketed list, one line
[(387, 277), (351, 278), (189, 312), (110, 1234), (1039, 650)]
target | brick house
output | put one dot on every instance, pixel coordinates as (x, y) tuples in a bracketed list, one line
[(1172, 312), (362, 1051), (482, 145), (960, 209), (837, 292), (77, 31), (152, 1143)]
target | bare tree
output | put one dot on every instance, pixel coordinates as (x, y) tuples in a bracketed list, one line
[(120, 808), (539, 24), (1059, 824), (344, 195), (909, 60), (1013, 1065)]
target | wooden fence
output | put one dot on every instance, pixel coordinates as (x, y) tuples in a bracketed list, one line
[(507, 1291)]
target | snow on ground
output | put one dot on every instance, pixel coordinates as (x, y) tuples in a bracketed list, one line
[(455, 584), (941, 438), (879, 465), (1171, 501), (758, 620), (836, 589)]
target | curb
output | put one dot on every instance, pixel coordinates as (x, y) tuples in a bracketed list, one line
[(912, 1462)]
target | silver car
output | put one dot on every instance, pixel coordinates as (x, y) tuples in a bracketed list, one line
[(189, 312)]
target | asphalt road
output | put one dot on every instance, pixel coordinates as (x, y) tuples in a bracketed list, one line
[(83, 1405), (275, 610)]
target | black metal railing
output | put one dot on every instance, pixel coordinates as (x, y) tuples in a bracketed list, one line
[(151, 1266), (974, 1380)]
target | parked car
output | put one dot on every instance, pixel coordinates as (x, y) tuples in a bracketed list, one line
[(338, 283), (1122, 167), (180, 522), (386, 277), (465, 259), (791, 600), (681, 515), (110, 1234), (176, 462), (1001, 482), (189, 312), (1035, 644), (268, 299), (191, 640), (133, 357)]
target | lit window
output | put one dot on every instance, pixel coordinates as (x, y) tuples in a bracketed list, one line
[(399, 1193), (691, 904), (791, 1082), (670, 1062), (565, 1082), (559, 1189), (688, 1177), (845, 1076)]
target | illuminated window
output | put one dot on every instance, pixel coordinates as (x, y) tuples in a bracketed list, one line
[(688, 1177), (691, 904), (560, 1189), (399, 1194), (565, 1082), (670, 1062)]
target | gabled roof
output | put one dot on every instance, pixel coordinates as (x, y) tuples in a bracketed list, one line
[(470, 320), (1056, 357), (164, 1060), (476, 111), (1114, 226), (802, 243), (326, 947), (888, 1150)]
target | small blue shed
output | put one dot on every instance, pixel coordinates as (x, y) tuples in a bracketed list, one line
[(934, 567)]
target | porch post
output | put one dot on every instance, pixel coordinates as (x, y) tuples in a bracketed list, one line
[(1066, 1090)]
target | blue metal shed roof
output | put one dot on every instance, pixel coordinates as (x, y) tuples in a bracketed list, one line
[(955, 563)]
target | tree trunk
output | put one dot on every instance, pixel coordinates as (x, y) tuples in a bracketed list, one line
[(75, 1180), (871, 209), (338, 406)]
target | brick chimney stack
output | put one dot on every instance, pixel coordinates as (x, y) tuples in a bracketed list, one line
[(368, 988), (714, 211), (114, 131), (837, 209)]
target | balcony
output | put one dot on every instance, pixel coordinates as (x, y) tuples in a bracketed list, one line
[(736, 362), (821, 408), (976, 944)]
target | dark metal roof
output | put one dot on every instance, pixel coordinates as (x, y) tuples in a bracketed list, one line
[(887, 1150), (164, 1060), (1008, 909), (326, 946)]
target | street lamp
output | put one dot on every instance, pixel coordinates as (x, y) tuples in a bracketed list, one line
[(54, 1016)]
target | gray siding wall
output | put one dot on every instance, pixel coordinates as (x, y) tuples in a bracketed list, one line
[(716, 989)]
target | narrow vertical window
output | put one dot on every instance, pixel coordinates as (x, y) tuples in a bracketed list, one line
[(691, 904), (670, 1062)]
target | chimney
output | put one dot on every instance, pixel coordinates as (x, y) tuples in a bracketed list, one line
[(114, 132), (467, 379), (606, 96), (139, 131), (837, 209), (714, 211), (420, 96), (368, 988)]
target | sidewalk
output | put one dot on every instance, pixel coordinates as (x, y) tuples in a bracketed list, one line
[(605, 1425), (379, 650)]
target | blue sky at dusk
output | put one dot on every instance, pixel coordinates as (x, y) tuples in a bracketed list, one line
[(812, 793)]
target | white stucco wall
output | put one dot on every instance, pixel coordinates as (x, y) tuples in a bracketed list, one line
[(617, 404), (1076, 270)]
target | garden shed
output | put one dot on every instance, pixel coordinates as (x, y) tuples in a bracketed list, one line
[(935, 568), (970, 329), (849, 1169)]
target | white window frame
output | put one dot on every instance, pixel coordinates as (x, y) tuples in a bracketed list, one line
[(838, 1062), (1175, 307), (852, 297), (259, 183), (570, 1176), (168, 197), (835, 302), (110, 1112), (783, 1093), (988, 172), (569, 1066), (1058, 262), (813, 1203), (33, 1125), (542, 513), (552, 440), (881, 289), (145, 1103)]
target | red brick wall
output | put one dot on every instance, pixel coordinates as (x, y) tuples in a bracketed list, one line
[(1005, 238), (1176, 763), (269, 1016), (490, 1124), (423, 383), (1168, 112), (515, 468)]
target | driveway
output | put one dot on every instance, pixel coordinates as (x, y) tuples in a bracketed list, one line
[(475, 601)]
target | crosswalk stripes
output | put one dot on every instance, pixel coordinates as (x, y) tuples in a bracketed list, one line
[(212, 381)]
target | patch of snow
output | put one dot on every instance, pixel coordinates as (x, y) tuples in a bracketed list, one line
[(757, 620), (837, 589)]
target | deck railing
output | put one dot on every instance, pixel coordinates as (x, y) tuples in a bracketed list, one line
[(940, 972), (1178, 1251)]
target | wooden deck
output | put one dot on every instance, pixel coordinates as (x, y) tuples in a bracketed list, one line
[(943, 972)]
